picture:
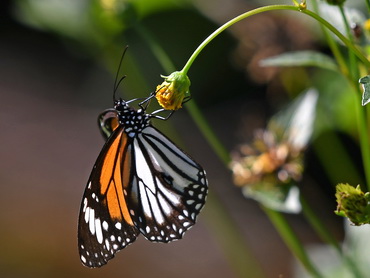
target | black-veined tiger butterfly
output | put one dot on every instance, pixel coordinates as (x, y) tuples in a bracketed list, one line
[(141, 183)]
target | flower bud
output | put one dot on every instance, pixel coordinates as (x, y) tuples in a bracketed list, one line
[(352, 203), (171, 93)]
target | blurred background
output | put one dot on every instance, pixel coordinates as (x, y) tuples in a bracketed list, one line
[(57, 65)]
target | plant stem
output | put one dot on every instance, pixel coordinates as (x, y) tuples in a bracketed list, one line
[(335, 31), (325, 23), (318, 226), (360, 112), (230, 23), (352, 58), (368, 5), (291, 240), (333, 45)]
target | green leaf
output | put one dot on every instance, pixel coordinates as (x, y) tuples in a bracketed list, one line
[(365, 81), (279, 198), (301, 58)]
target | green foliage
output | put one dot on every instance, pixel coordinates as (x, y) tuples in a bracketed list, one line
[(301, 59), (365, 81)]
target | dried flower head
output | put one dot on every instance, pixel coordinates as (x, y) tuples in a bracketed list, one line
[(267, 160), (269, 168)]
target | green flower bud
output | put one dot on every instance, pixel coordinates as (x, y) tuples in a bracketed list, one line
[(352, 203)]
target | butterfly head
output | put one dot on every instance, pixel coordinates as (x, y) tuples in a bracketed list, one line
[(134, 121)]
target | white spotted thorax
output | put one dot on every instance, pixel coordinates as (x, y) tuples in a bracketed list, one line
[(133, 120)]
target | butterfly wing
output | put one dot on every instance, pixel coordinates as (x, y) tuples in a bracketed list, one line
[(108, 122), (105, 225), (169, 188)]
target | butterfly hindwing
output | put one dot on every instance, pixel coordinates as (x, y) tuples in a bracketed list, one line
[(105, 225), (169, 188)]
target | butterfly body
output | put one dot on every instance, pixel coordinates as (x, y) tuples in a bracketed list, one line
[(141, 183)]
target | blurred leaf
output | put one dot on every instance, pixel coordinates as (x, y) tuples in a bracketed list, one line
[(354, 16), (301, 58), (366, 86), (282, 198)]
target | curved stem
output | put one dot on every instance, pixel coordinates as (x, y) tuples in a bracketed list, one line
[(325, 23), (340, 36), (228, 24)]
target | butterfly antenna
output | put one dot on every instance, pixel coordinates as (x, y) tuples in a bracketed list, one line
[(116, 81)]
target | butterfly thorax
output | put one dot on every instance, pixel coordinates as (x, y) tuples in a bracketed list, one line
[(133, 121)]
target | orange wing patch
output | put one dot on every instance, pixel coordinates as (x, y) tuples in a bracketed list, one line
[(111, 180)]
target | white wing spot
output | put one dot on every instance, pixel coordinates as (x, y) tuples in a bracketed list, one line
[(198, 206), (107, 244), (87, 214), (92, 221), (189, 202), (112, 238), (147, 229), (85, 205), (99, 232), (105, 225), (118, 225)]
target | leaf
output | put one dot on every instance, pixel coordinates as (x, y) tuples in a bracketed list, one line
[(301, 58), (279, 198), (365, 81)]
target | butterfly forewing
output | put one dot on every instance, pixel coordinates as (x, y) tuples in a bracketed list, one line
[(105, 225)]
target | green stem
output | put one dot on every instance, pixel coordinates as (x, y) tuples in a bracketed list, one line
[(335, 31), (230, 23), (352, 59), (325, 23), (364, 138), (318, 226), (360, 112), (333, 45), (368, 5), (291, 240)]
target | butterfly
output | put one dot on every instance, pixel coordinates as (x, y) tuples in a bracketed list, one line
[(141, 183)]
